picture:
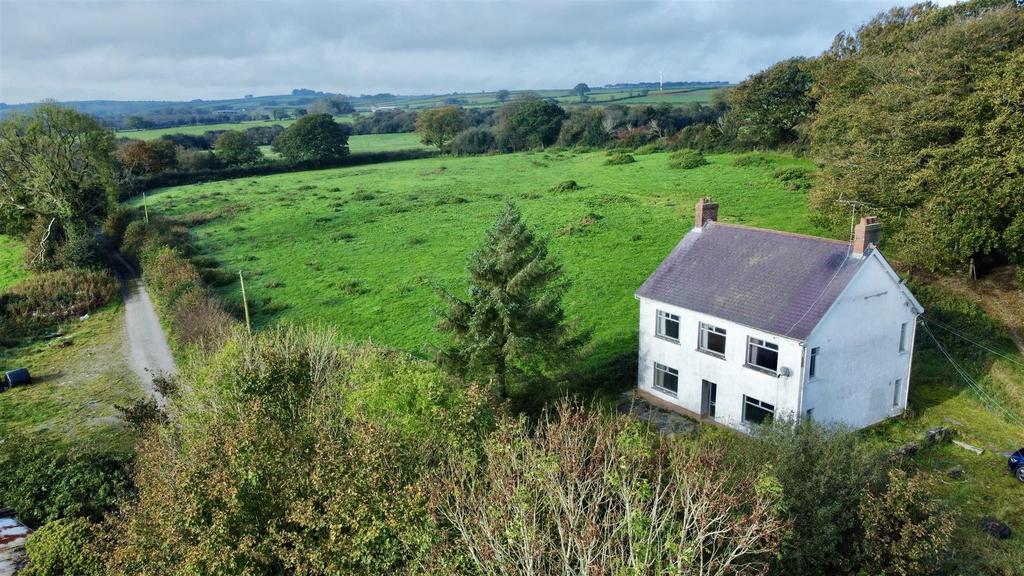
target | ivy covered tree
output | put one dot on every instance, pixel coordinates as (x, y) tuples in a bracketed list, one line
[(512, 327), (57, 173)]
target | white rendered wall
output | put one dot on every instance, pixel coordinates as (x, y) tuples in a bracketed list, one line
[(732, 377), (859, 359)]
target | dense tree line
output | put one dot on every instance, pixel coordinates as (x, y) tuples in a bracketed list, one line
[(915, 117)]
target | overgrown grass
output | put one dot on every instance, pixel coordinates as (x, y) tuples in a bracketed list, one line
[(395, 230), (78, 378), (12, 266)]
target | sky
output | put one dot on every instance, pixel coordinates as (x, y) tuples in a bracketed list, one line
[(210, 49)]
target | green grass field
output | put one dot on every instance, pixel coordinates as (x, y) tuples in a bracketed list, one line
[(12, 265), (363, 247), (198, 129)]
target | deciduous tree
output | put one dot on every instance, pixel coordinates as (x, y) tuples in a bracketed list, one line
[(314, 139), (438, 126), (236, 148), (57, 166)]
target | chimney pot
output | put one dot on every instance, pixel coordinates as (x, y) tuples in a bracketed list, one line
[(866, 235), (706, 211)]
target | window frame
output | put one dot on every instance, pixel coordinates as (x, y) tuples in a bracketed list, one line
[(904, 330), (897, 392), (656, 384), (659, 323), (766, 345), (759, 404), (812, 362), (703, 329)]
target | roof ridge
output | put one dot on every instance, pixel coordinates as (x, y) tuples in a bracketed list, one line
[(781, 232)]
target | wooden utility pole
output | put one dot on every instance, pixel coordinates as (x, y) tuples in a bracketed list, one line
[(245, 303)]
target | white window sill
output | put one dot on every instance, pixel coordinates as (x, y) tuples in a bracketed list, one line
[(757, 368), (666, 339), (711, 353)]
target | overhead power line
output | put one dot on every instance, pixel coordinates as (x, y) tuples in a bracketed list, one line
[(1002, 355)]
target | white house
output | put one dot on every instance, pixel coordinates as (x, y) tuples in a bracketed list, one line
[(741, 324)]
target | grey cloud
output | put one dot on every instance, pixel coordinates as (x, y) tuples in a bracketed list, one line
[(183, 49)]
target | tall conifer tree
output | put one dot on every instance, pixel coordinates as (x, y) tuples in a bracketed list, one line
[(512, 328)]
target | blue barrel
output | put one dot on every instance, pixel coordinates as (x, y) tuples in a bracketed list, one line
[(18, 377)]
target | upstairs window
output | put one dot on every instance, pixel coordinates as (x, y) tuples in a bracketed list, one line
[(668, 326), (763, 355), (756, 411), (712, 339), (904, 328), (812, 369), (666, 379)]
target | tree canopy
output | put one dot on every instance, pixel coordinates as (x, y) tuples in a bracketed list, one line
[(438, 126), (773, 107), (57, 167), (236, 148), (919, 120), (315, 139), (529, 122)]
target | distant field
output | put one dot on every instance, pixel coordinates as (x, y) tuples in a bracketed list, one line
[(203, 128), (12, 267), (361, 248)]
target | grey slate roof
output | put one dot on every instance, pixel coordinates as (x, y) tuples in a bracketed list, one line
[(773, 281)]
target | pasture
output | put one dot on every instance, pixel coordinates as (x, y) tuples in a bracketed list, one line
[(363, 248), (12, 266)]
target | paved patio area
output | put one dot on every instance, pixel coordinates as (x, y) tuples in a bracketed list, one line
[(668, 421)]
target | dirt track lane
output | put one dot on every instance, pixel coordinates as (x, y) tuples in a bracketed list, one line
[(147, 349)]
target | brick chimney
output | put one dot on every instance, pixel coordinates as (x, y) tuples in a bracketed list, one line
[(707, 211), (866, 236)]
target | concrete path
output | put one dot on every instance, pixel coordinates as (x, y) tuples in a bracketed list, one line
[(148, 352)]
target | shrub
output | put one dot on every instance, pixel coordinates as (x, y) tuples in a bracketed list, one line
[(142, 414), (703, 137), (43, 482), (905, 530), (80, 251), (195, 160), (473, 141), (634, 138), (823, 472), (585, 489), (565, 186), (687, 159), (294, 456), (168, 275), (618, 159), (794, 178), (51, 297), (200, 320), (62, 547), (117, 222)]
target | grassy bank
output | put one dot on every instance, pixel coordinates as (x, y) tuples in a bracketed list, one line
[(77, 379), (12, 265)]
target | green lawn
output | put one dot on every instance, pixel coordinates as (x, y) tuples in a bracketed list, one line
[(362, 248), (12, 265), (385, 142)]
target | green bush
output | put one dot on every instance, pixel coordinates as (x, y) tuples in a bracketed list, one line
[(565, 186), (794, 178), (63, 547), (619, 158), (80, 251), (117, 221), (168, 275), (473, 141), (43, 482), (687, 159), (295, 455)]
